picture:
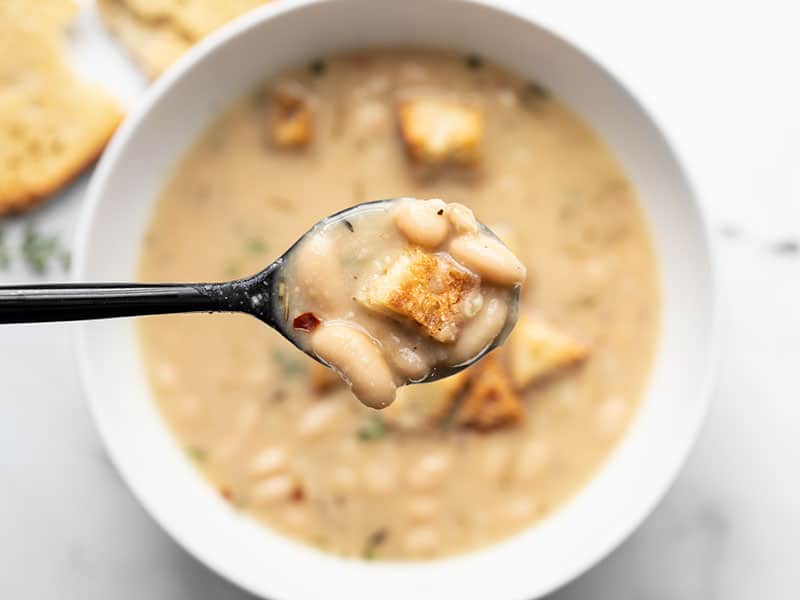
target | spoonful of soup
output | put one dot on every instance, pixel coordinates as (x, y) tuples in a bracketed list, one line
[(386, 293)]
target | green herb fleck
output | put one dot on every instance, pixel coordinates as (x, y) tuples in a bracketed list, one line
[(196, 453), (473, 61), (231, 269), (255, 246), (38, 249), (373, 429), (373, 542), (289, 365), (318, 67)]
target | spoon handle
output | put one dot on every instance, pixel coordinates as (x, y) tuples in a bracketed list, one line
[(82, 301)]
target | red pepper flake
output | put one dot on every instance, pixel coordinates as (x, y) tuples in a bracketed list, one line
[(298, 494), (226, 493), (306, 322)]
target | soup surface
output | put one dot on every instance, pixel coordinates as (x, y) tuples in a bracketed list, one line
[(453, 465)]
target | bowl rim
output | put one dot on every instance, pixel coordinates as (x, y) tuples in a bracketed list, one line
[(254, 18)]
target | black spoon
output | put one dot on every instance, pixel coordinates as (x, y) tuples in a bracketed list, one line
[(259, 295)]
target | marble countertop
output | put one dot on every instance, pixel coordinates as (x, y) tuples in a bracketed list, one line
[(724, 85)]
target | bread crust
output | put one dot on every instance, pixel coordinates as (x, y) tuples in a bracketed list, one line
[(490, 401), (439, 132), (425, 288), (537, 350)]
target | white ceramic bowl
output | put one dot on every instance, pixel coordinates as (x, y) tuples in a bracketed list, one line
[(121, 199)]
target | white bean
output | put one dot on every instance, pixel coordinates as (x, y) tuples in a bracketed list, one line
[(319, 273), (268, 461), (422, 222), (410, 363), (480, 331), (489, 258), (462, 218), (318, 418), (430, 470), (359, 360), (272, 489)]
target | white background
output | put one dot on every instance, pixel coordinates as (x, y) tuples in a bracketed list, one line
[(723, 79)]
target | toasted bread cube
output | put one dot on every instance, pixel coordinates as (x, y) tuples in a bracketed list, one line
[(440, 131), (419, 406), (292, 122), (323, 379), (491, 400), (425, 288), (537, 350)]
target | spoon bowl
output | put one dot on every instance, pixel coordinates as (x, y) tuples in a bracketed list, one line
[(272, 312)]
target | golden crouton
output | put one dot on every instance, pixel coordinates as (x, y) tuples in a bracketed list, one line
[(537, 350), (323, 379), (291, 122), (420, 406), (490, 401), (440, 131), (425, 288)]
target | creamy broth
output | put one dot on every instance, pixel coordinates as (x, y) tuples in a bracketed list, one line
[(294, 450)]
